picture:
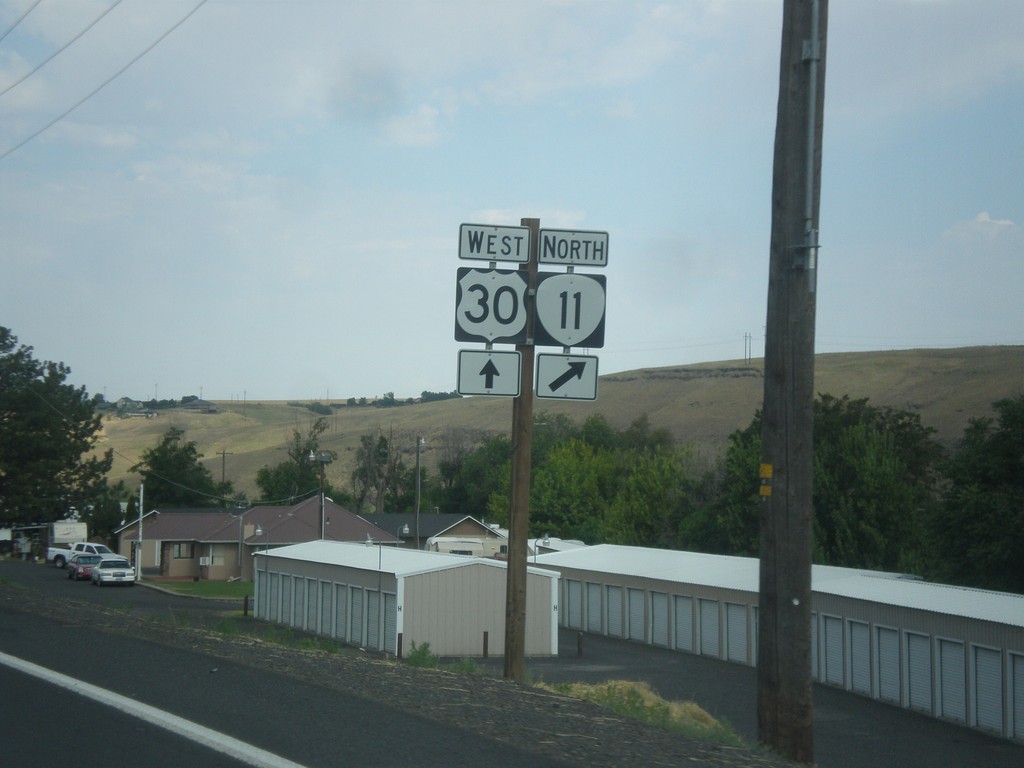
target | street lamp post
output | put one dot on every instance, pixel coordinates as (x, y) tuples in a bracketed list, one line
[(323, 458), (419, 443)]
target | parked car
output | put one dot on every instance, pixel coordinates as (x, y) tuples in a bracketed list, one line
[(80, 565), (113, 570), (60, 555)]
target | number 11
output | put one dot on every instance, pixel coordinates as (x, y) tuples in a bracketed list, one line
[(565, 309)]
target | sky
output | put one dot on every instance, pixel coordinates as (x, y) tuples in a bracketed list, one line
[(261, 199)]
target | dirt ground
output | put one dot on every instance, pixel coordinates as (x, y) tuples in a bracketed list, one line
[(556, 727)]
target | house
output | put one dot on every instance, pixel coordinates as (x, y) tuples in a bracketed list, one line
[(441, 532), (218, 544), (389, 598)]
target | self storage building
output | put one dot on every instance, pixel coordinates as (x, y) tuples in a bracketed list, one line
[(948, 652), (387, 598)]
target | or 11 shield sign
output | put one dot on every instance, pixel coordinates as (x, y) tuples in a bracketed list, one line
[(570, 310), (490, 306)]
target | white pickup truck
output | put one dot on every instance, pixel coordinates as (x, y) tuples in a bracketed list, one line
[(59, 555)]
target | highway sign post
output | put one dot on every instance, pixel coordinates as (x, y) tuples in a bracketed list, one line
[(488, 372), (567, 377)]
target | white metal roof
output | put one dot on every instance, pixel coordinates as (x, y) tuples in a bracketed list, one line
[(386, 559), (742, 573)]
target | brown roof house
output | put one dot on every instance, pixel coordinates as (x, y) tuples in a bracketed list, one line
[(218, 544)]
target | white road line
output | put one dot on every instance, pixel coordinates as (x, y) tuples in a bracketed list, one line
[(185, 728)]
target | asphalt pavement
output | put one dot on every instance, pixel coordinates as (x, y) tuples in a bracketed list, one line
[(850, 731)]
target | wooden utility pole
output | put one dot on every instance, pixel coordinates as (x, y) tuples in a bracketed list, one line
[(519, 506), (784, 702)]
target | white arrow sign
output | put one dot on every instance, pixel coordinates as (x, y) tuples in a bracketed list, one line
[(567, 377), (486, 372)]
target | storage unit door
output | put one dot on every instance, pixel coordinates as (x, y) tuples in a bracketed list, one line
[(636, 614), (341, 611), (373, 620), (736, 632), (709, 635), (988, 689), (614, 611), (286, 599), (275, 597), (594, 608), (300, 602), (355, 615), (261, 590), (575, 595), (952, 679), (888, 665), (833, 628), (326, 606), (684, 623), (860, 657), (919, 672), (391, 623), (1017, 677), (659, 619), (311, 603)]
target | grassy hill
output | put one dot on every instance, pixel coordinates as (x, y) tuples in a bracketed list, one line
[(700, 404)]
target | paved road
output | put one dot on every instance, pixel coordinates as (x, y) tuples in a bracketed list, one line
[(850, 731)]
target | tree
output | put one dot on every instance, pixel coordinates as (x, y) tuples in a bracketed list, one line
[(978, 532), (299, 475), (380, 474), (48, 434), (173, 477), (569, 492)]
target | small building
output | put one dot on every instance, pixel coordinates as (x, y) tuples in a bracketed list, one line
[(386, 598)]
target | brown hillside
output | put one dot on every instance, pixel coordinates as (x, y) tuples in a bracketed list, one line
[(700, 404)]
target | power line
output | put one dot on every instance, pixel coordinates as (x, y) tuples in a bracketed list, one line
[(60, 50), (20, 19), (102, 85)]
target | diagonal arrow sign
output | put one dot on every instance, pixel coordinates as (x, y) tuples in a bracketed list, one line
[(489, 371), (575, 372)]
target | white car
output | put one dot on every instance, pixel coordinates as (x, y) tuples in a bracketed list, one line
[(113, 570)]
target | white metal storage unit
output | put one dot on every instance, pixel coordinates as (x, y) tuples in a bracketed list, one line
[(949, 652), (370, 595)]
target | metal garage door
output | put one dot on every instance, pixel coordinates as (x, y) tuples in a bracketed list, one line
[(832, 627), (860, 657), (299, 619), (1017, 676), (286, 599), (373, 619), (355, 615), (574, 593), (736, 632), (275, 597), (684, 623), (326, 604), (709, 634), (614, 611), (636, 614), (311, 602), (391, 623), (593, 607), (341, 611), (919, 672), (988, 689), (888, 664), (659, 619), (952, 681)]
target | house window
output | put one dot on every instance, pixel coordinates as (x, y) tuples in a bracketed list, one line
[(184, 550), (217, 554)]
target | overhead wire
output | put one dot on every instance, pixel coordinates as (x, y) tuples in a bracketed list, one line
[(60, 50), (20, 19), (102, 85)]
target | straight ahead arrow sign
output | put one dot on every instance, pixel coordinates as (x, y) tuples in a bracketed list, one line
[(489, 371)]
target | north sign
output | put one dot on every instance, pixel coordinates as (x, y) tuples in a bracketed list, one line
[(566, 377), (490, 306), (573, 248), (569, 310), (488, 243), (487, 372)]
